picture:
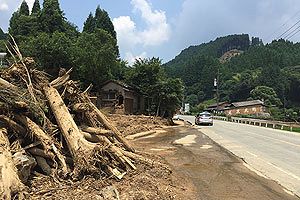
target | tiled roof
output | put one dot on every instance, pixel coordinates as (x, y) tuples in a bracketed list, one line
[(247, 103), (215, 104), (124, 85)]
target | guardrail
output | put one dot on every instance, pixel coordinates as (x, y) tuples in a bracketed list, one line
[(259, 122)]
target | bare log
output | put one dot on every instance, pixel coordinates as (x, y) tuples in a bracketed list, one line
[(96, 131), (79, 148), (111, 147), (47, 142), (142, 159), (61, 80), (4, 83), (81, 107), (12, 124), (9, 180), (40, 152), (103, 119), (90, 137), (115, 151)]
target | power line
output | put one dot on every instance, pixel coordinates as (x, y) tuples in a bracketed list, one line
[(283, 25), (294, 34), (288, 29)]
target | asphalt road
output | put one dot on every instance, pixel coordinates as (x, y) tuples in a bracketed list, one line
[(274, 154)]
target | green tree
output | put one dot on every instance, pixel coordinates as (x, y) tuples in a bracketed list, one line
[(102, 21), (145, 73), (36, 9), (52, 18), (51, 51), (95, 58), (89, 24), (170, 95), (164, 95), (272, 76), (24, 9), (14, 23), (266, 94), (240, 85), (192, 99)]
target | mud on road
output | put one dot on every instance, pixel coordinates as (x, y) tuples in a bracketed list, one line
[(212, 172)]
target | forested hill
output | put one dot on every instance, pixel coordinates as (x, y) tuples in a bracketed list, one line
[(272, 69), (214, 48)]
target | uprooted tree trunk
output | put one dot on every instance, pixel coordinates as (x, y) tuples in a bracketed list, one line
[(10, 184), (80, 149)]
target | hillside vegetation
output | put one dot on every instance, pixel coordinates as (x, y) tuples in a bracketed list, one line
[(273, 65)]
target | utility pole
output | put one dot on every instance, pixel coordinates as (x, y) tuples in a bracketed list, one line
[(216, 85)]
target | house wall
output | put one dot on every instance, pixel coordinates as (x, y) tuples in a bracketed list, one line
[(114, 86), (133, 102), (249, 110)]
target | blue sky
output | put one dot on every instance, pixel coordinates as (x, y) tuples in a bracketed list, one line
[(162, 28)]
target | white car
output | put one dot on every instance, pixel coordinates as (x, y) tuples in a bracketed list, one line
[(204, 118)]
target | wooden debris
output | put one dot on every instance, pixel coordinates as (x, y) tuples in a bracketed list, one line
[(10, 183), (80, 149), (103, 119), (47, 142), (54, 125)]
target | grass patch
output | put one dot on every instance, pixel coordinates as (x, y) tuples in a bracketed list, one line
[(296, 130)]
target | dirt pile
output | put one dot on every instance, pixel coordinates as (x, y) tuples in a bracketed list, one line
[(131, 124)]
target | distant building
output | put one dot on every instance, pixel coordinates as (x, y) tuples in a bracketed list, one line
[(116, 94), (254, 107), (217, 106)]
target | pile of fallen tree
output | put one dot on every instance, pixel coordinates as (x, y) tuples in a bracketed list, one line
[(53, 128)]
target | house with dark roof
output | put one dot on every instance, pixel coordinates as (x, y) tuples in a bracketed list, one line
[(119, 95), (253, 107), (217, 106)]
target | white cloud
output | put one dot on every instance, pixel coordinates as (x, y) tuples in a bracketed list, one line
[(30, 3), (126, 32), (3, 6), (131, 58), (156, 32)]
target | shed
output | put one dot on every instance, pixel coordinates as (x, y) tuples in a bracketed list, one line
[(121, 95)]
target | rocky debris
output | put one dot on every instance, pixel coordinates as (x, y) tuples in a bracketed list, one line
[(230, 54)]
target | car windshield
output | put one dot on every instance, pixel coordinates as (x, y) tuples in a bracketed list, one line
[(205, 115)]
